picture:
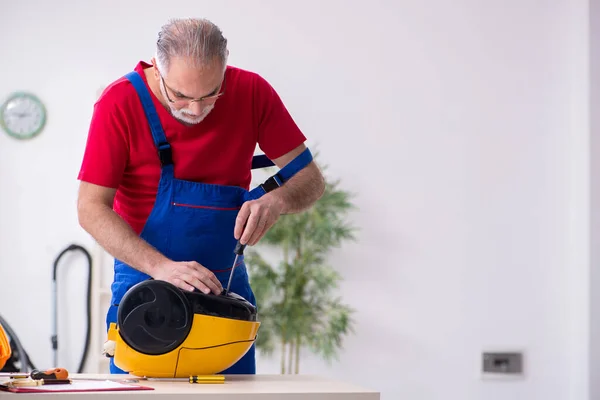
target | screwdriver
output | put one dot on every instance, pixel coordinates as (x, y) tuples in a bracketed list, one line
[(37, 382), (239, 250), (49, 374)]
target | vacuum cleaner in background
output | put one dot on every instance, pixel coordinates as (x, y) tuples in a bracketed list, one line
[(18, 359), (54, 338)]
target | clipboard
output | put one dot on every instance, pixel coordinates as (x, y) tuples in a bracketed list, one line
[(77, 386)]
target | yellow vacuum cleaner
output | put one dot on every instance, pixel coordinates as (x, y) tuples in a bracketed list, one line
[(165, 332)]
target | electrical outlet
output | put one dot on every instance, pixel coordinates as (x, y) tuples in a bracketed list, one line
[(502, 363)]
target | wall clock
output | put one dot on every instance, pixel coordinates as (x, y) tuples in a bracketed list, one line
[(23, 115)]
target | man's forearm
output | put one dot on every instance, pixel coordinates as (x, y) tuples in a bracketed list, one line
[(301, 191), (118, 239)]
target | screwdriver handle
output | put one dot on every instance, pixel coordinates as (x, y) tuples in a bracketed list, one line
[(53, 373), (239, 248)]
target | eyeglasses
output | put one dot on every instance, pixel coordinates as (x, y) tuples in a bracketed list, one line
[(181, 99)]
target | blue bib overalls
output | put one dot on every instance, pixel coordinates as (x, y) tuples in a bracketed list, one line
[(193, 221)]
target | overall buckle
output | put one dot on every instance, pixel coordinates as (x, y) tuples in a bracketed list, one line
[(165, 154), (272, 183)]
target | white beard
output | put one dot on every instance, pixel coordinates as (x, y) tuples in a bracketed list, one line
[(186, 116)]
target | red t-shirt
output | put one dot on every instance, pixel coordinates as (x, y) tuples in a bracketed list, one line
[(120, 152)]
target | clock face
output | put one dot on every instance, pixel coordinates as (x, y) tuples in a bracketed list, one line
[(23, 116)]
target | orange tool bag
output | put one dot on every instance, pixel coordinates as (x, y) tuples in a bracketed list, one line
[(5, 351)]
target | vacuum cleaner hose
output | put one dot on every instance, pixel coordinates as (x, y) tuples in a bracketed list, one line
[(54, 339)]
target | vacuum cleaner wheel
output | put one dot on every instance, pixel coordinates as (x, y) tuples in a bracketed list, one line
[(154, 317)]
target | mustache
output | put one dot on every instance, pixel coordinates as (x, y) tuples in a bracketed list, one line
[(188, 113)]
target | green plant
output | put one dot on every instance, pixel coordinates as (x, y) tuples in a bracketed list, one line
[(295, 295)]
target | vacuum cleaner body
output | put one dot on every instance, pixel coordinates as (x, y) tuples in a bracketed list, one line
[(165, 332)]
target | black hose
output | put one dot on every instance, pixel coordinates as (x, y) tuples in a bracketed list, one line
[(54, 339)]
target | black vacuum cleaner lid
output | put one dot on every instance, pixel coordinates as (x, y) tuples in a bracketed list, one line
[(230, 305)]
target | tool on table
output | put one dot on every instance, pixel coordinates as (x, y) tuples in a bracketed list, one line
[(36, 382), (193, 379), (53, 376), (239, 250), (207, 379), (14, 375), (53, 373)]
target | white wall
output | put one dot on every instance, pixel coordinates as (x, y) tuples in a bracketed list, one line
[(461, 126), (594, 150)]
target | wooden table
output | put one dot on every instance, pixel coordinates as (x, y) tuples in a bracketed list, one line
[(236, 387)]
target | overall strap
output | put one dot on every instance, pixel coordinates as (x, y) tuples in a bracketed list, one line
[(284, 174), (261, 161), (158, 134)]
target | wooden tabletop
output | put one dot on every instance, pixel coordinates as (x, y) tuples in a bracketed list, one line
[(236, 387)]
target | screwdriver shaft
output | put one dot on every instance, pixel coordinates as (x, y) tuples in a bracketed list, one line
[(239, 250), (231, 273)]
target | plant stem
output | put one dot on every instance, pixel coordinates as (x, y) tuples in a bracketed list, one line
[(299, 248), (283, 355), (290, 357), (283, 330), (297, 359)]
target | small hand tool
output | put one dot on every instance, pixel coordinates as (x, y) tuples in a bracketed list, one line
[(239, 250), (53, 373), (14, 375), (193, 379), (207, 379), (36, 382)]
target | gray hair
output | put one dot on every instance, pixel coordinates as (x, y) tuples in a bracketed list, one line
[(199, 41)]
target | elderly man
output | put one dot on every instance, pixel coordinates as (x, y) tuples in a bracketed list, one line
[(167, 167)]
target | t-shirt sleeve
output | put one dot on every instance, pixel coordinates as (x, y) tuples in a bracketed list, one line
[(278, 133), (106, 150)]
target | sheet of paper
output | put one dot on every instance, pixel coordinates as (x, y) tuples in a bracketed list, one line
[(84, 386)]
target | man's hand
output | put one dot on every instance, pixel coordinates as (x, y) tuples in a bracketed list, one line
[(256, 217), (188, 275)]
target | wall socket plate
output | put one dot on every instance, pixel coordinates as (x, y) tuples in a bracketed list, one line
[(502, 364)]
